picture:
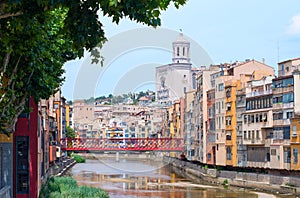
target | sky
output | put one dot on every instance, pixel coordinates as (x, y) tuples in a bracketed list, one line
[(225, 31)]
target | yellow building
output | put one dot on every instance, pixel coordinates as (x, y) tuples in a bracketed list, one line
[(295, 143), (230, 123), (68, 115)]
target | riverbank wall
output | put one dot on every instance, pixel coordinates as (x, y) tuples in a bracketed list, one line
[(262, 182), (156, 156)]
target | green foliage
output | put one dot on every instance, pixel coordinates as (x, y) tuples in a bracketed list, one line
[(79, 159), (225, 182), (70, 133), (38, 36), (67, 187)]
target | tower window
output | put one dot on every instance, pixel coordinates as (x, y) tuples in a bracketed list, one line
[(177, 51), (183, 51)]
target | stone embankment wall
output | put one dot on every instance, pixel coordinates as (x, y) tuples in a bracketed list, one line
[(263, 182)]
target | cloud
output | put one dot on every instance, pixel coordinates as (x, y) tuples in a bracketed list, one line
[(294, 27)]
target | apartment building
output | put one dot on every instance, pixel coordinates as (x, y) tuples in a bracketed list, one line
[(189, 125), (203, 84), (295, 125), (257, 122), (211, 128)]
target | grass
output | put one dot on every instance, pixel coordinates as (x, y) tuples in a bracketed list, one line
[(65, 187), (79, 159)]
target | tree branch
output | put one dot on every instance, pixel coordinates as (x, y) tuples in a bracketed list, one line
[(5, 62), (6, 15)]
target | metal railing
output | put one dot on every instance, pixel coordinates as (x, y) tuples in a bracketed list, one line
[(258, 93), (5, 192)]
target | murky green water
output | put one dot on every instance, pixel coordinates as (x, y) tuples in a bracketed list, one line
[(146, 178)]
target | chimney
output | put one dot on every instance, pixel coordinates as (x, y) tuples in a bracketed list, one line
[(263, 60)]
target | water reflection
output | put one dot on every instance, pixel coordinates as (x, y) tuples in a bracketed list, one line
[(144, 178)]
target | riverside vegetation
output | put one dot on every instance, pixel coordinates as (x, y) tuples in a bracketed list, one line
[(65, 187)]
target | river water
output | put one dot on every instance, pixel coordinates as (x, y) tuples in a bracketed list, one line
[(147, 178)]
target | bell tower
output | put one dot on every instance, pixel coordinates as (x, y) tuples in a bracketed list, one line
[(181, 50)]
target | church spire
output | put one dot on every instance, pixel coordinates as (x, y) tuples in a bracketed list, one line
[(181, 50)]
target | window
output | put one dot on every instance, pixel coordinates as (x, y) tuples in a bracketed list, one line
[(287, 155), (257, 134), (268, 157), (294, 131), (286, 98), (220, 87), (273, 151), (278, 116), (228, 153), (295, 153), (228, 93), (260, 117), (209, 156), (248, 105), (265, 118), (228, 121), (289, 115), (228, 135), (228, 106), (183, 51), (249, 135), (252, 118), (177, 51), (22, 164), (245, 119), (277, 99), (286, 132)]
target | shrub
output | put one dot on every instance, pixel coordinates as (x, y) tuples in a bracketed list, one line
[(225, 182), (79, 159), (66, 187)]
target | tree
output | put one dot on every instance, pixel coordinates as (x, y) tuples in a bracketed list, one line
[(38, 36), (70, 133)]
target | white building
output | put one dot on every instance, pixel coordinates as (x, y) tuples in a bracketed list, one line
[(175, 79)]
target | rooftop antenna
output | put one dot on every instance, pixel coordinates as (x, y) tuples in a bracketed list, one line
[(277, 51)]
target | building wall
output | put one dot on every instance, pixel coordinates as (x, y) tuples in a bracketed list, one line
[(220, 119), (287, 67), (27, 128), (230, 122), (295, 143), (189, 128), (173, 80), (296, 76), (83, 111), (6, 161)]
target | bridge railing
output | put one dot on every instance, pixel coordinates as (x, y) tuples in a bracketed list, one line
[(5, 192), (125, 144)]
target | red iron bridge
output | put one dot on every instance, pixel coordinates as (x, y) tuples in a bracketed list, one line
[(122, 144)]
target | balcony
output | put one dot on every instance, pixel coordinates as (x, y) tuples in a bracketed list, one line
[(280, 141), (254, 141), (241, 147), (281, 122), (281, 105), (282, 89), (259, 93)]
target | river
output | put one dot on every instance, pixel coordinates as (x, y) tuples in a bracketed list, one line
[(147, 178)]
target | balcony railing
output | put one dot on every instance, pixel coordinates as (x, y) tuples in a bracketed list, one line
[(259, 93), (254, 141), (5, 192), (281, 122), (282, 89)]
